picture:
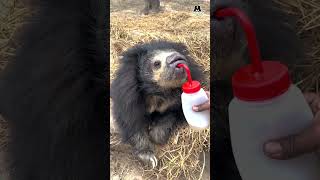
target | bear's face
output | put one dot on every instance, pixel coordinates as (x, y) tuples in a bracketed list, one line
[(160, 66)]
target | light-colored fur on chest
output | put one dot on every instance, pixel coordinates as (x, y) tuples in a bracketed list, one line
[(159, 104)]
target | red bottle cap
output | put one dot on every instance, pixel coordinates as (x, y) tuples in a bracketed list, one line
[(248, 85), (190, 86), (262, 80)]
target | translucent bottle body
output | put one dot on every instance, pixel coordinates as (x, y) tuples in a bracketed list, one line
[(197, 120), (253, 123)]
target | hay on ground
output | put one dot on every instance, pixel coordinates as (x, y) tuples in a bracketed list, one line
[(308, 26), (189, 28)]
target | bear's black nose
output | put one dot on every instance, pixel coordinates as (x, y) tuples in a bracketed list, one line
[(175, 58)]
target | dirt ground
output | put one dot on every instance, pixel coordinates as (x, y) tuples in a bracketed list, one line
[(135, 6)]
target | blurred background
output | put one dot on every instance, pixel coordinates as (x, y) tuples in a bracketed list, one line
[(308, 27), (12, 14)]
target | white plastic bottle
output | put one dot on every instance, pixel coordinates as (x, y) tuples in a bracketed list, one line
[(192, 95), (266, 106), (261, 115)]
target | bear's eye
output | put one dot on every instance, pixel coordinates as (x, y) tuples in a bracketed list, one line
[(157, 64)]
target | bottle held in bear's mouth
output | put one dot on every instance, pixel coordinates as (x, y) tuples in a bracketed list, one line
[(193, 95), (266, 106)]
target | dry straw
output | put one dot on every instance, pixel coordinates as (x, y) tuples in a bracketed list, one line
[(11, 18), (308, 26), (188, 28)]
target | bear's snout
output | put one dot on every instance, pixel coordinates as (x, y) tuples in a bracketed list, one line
[(174, 59)]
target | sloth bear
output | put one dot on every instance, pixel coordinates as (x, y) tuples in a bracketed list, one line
[(146, 94), (53, 93)]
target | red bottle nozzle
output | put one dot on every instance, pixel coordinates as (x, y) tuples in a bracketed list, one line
[(190, 86), (260, 80), (186, 68), (250, 33)]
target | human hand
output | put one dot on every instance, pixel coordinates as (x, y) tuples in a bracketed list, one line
[(305, 142), (204, 106)]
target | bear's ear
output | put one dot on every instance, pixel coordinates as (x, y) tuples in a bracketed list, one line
[(132, 54)]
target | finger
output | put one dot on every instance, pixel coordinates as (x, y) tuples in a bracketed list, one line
[(208, 93), (313, 100), (309, 97), (316, 103), (202, 107), (295, 145)]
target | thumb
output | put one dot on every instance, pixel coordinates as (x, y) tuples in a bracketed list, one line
[(202, 107), (295, 145)]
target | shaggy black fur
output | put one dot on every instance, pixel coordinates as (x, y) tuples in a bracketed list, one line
[(129, 91), (277, 38), (54, 93)]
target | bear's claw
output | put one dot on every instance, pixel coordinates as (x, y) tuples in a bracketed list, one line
[(148, 157)]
